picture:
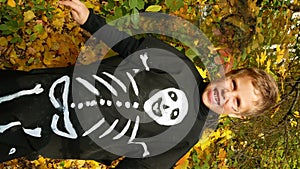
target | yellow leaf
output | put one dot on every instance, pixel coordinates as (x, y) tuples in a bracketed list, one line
[(296, 114), (261, 38), (263, 57), (222, 153), (257, 60), (282, 71), (227, 134), (44, 18), (67, 163), (22, 45), (71, 25), (13, 54), (279, 54), (43, 36), (255, 45), (58, 23), (153, 8), (48, 58), (11, 3), (257, 29), (259, 20), (80, 163), (293, 123), (183, 162), (204, 142), (215, 135), (202, 72), (3, 41), (88, 4), (28, 16), (238, 22)]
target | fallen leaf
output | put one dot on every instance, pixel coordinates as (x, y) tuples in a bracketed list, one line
[(202, 72), (3, 41), (153, 8), (11, 3), (28, 16), (22, 45), (183, 162)]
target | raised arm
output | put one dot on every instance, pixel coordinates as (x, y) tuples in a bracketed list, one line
[(92, 23)]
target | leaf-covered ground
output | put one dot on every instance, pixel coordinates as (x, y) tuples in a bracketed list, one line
[(46, 163), (260, 33)]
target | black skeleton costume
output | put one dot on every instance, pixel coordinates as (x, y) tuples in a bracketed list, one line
[(119, 109)]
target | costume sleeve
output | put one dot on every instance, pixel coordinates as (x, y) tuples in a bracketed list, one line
[(168, 159), (119, 41)]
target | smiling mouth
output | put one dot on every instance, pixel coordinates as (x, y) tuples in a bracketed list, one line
[(216, 96), (156, 107)]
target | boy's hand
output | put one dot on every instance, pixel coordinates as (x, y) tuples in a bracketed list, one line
[(79, 11)]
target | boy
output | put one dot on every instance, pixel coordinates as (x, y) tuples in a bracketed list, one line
[(150, 113)]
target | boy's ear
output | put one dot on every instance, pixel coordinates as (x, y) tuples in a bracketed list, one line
[(237, 116)]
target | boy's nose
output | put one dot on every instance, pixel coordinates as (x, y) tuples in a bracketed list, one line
[(226, 94)]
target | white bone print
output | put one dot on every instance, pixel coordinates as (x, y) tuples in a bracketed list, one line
[(12, 151), (88, 85), (166, 107), (68, 124), (3, 128), (144, 59), (106, 84), (36, 90), (133, 135), (32, 132)]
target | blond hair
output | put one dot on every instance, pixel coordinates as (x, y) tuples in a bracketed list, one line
[(264, 83)]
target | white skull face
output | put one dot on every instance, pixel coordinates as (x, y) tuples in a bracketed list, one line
[(167, 107)]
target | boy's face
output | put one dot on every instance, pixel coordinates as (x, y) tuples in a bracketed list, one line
[(231, 96)]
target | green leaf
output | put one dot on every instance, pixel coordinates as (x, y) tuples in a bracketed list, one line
[(38, 28), (3, 1), (7, 29), (244, 55), (7, 32), (153, 8), (140, 5), (133, 4), (118, 12), (4, 27), (16, 39), (110, 5), (30, 60), (174, 4), (190, 53), (135, 17), (32, 37), (28, 31)]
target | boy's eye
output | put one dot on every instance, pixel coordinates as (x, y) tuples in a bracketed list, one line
[(238, 102), (233, 84)]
